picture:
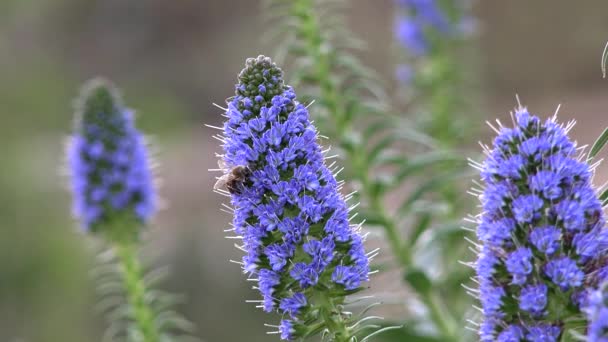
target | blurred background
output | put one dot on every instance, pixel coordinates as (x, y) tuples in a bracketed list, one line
[(172, 60)]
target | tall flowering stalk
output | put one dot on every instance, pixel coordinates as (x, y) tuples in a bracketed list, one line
[(110, 170), (114, 197), (301, 250), (541, 232), (431, 33)]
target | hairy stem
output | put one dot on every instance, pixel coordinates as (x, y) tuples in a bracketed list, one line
[(332, 315), (132, 272), (342, 123)]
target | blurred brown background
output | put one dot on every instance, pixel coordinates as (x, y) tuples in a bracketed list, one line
[(172, 59)]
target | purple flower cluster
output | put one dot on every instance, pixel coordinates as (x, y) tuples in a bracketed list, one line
[(289, 212), (541, 231), (110, 173), (417, 17), (597, 313)]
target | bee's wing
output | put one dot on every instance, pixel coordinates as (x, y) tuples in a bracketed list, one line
[(221, 183), (222, 164)]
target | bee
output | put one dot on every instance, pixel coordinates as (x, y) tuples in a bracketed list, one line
[(233, 180), (595, 218)]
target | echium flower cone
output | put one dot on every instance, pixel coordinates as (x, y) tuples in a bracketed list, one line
[(299, 245), (111, 178), (541, 232)]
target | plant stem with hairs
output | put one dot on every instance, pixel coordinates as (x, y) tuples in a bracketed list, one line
[(133, 274)]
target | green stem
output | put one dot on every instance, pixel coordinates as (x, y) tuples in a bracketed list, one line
[(442, 318), (330, 98), (333, 318), (132, 271)]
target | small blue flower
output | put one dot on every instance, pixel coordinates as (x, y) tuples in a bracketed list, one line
[(491, 300), (286, 330), (546, 239), (526, 207), (519, 264), (533, 299), (511, 167), (348, 276), (496, 232), (547, 183), (305, 274), (487, 329), (592, 244), (486, 265), (572, 214), (293, 305), (544, 333), (564, 272), (512, 333)]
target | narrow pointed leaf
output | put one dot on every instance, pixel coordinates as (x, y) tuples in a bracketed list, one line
[(599, 144)]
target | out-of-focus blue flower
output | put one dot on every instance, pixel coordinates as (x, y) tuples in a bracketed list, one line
[(410, 35), (597, 312), (427, 12), (418, 20), (111, 178), (404, 73), (541, 229), (293, 221)]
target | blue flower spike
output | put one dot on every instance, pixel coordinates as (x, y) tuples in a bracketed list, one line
[(111, 176), (300, 249), (114, 197), (542, 240)]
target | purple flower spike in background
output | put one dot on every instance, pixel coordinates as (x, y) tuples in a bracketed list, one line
[(114, 196), (541, 232), (299, 245), (110, 171), (418, 22)]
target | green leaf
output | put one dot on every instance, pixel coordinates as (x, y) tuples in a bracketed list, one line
[(418, 280), (430, 185), (421, 162), (407, 333), (422, 224), (375, 128), (599, 144), (380, 146), (371, 219), (604, 197)]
